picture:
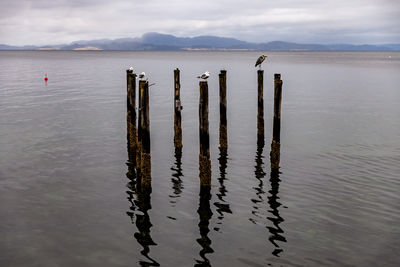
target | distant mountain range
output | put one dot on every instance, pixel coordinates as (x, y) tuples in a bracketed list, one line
[(157, 41)]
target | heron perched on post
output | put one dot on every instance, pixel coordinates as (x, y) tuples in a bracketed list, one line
[(260, 60), (204, 76)]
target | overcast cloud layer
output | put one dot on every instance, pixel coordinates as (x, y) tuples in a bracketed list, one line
[(40, 22)]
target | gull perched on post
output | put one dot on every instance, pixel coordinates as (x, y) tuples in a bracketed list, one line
[(204, 76), (260, 60), (142, 75)]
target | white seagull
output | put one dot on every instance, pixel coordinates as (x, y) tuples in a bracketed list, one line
[(260, 60), (131, 69), (142, 75), (204, 76)]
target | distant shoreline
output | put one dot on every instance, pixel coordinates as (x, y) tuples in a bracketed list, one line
[(190, 50), (165, 42)]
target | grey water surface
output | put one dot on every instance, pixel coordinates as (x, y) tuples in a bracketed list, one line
[(67, 197)]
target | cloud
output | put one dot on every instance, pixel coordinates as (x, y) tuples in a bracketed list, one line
[(64, 21)]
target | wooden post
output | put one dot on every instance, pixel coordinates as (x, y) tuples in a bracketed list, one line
[(139, 129), (204, 155), (131, 116), (145, 166), (276, 134), (260, 104), (177, 108), (223, 130), (128, 105)]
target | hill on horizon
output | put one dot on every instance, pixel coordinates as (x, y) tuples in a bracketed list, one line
[(165, 42)]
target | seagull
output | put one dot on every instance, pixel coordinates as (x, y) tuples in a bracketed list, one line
[(260, 60), (204, 76), (131, 69), (142, 75)]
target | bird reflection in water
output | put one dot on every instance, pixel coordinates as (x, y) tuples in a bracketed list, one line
[(221, 205), (140, 201), (276, 232), (205, 215), (176, 180)]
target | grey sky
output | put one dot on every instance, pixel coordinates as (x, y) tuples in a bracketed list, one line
[(41, 22)]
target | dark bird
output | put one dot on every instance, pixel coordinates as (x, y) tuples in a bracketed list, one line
[(204, 76), (260, 60)]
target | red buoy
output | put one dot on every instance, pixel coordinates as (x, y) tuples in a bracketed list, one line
[(45, 78)]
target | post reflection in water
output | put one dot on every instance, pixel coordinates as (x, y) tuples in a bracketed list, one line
[(222, 206), (140, 201), (205, 215), (276, 232), (259, 173), (176, 180)]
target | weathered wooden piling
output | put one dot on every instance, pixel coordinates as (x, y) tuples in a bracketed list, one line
[(177, 109), (131, 115), (276, 133), (204, 155), (145, 166), (139, 130), (260, 110), (223, 129)]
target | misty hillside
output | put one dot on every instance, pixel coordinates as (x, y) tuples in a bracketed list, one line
[(157, 41)]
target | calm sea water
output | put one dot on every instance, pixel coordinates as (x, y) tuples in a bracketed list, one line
[(66, 198)]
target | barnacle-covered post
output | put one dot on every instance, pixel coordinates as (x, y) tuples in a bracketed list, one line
[(145, 167), (223, 129), (260, 108), (276, 134), (204, 155), (131, 115), (177, 111)]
